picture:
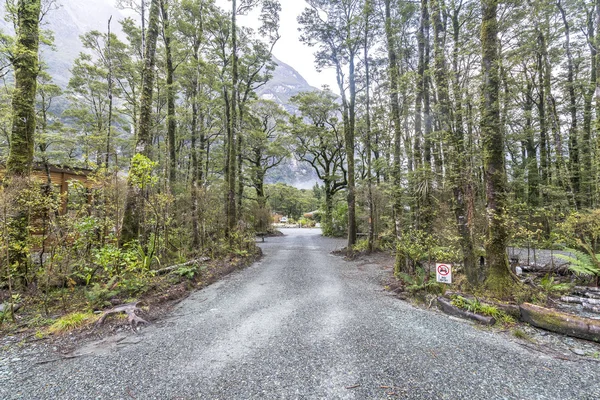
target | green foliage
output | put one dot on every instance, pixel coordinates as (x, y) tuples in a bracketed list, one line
[(99, 294), (475, 306), (421, 281), (551, 286), (361, 245), (582, 263), (188, 271), (290, 201), (140, 173), (416, 246)]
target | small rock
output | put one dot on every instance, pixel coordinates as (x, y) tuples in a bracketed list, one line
[(579, 352), (519, 271)]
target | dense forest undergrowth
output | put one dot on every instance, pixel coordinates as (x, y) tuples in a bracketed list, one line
[(458, 129)]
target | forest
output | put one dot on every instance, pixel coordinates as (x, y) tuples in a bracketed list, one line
[(457, 129)]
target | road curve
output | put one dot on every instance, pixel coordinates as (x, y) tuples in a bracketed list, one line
[(304, 324)]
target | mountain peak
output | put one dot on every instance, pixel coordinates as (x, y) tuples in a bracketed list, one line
[(285, 84)]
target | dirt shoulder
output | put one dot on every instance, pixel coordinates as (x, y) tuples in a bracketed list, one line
[(535, 339), (31, 330)]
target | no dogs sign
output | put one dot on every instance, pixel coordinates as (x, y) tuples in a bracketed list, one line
[(444, 273)]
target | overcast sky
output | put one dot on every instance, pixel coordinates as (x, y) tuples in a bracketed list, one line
[(289, 49)]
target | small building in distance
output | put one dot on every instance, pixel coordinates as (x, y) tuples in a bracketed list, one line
[(277, 218)]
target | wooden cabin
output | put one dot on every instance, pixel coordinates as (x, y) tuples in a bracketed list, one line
[(59, 176)]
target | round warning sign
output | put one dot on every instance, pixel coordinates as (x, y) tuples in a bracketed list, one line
[(443, 273)]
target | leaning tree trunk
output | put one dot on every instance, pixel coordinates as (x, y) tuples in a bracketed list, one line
[(18, 166), (499, 279), (135, 202)]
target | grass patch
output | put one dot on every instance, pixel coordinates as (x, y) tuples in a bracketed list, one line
[(72, 321), (521, 334)]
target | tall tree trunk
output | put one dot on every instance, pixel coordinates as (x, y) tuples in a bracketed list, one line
[(26, 66), (573, 140), (393, 75), (586, 143), (349, 136), (460, 176), (196, 180), (424, 217), (110, 95), (533, 176), (20, 158), (134, 203), (171, 121), (499, 279), (232, 130), (593, 146), (368, 127), (541, 105)]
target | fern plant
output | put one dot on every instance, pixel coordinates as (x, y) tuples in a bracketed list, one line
[(419, 282), (587, 263), (550, 285)]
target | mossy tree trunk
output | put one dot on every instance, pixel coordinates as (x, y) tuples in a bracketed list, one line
[(135, 202), (26, 67), (499, 279), (18, 166)]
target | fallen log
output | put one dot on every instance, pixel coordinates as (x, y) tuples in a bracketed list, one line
[(509, 309), (571, 299), (591, 307), (583, 289), (579, 300), (559, 269), (560, 322), (172, 268), (128, 309), (446, 306)]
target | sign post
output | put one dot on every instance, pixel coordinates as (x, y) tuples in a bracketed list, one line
[(443, 273)]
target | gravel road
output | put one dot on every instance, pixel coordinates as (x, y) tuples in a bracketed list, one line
[(302, 324)]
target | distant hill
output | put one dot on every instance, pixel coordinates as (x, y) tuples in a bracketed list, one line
[(68, 22)]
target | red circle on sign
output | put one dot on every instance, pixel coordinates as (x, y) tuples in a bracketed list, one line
[(443, 269)]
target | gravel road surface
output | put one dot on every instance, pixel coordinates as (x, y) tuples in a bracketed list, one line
[(302, 324)]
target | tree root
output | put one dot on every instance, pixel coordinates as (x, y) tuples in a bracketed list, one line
[(128, 309)]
